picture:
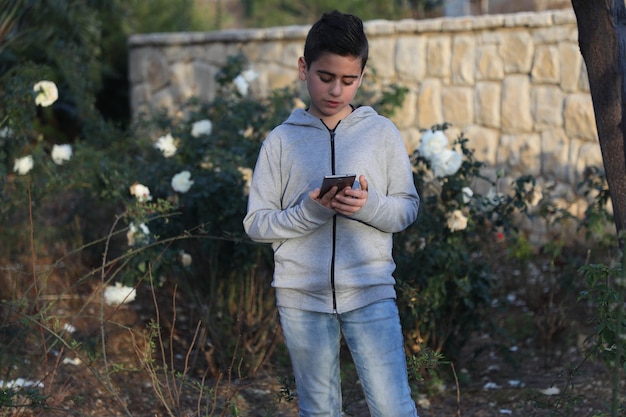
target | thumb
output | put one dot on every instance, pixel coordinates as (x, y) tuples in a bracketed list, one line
[(363, 183)]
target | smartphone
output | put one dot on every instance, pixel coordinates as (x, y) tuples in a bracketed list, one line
[(341, 181)]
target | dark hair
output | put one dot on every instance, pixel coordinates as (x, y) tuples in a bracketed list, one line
[(338, 33)]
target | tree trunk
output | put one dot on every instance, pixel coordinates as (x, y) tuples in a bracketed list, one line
[(602, 41)]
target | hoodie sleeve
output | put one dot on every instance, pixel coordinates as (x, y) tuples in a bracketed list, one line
[(395, 208), (266, 220)]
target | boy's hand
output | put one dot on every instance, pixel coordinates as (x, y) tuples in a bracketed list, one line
[(325, 199), (349, 201)]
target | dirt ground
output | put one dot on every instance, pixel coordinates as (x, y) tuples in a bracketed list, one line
[(535, 376)]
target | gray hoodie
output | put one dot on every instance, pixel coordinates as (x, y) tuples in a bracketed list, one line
[(327, 262)]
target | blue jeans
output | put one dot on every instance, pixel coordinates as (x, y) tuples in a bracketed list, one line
[(374, 337)]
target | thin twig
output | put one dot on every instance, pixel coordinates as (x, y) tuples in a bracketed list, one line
[(458, 391), (102, 281), (35, 285)]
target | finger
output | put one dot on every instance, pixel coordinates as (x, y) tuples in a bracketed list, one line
[(363, 182), (331, 193), (354, 194), (315, 194)]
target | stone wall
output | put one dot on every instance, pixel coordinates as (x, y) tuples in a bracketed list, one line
[(515, 84)]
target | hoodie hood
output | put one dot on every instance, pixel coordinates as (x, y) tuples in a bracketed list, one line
[(301, 117)]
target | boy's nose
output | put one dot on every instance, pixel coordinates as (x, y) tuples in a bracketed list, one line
[(335, 88)]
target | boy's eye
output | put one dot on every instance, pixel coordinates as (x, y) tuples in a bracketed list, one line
[(328, 79)]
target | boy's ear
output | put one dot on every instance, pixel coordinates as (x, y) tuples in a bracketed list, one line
[(302, 68)]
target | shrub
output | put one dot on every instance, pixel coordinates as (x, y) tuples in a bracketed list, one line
[(453, 258), (443, 275)]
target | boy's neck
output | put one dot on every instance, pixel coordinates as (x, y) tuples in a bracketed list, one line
[(331, 122)]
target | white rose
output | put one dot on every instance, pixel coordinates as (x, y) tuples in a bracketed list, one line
[(432, 143), (181, 182), (23, 165), (5, 132), (61, 153), (119, 294), (243, 80), (141, 192), (167, 145), (241, 84), (456, 221), (468, 193), (20, 383), (69, 328), (185, 259), (137, 234), (249, 75), (446, 163), (47, 93), (202, 127)]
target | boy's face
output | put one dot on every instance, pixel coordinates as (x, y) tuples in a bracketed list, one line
[(332, 82)]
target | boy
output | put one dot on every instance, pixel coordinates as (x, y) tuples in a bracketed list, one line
[(333, 252)]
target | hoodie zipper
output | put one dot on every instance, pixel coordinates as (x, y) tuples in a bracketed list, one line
[(334, 241)]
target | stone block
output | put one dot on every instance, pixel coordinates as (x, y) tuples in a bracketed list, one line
[(583, 81), (410, 58), (547, 106), (290, 54), (405, 115), (554, 154), (164, 100), (139, 95), (382, 54), (179, 53), (183, 81), (204, 74), (562, 17), (150, 66), (263, 51), (378, 27), (439, 55), (571, 66), (516, 113), (520, 154), (458, 105), (589, 155), (554, 34), (280, 77), (215, 54), (458, 24), (489, 64), (527, 19), (411, 137), (429, 111), (483, 141), (407, 26), (431, 25), (488, 104), (579, 117), (517, 50), (546, 65), (463, 60)]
